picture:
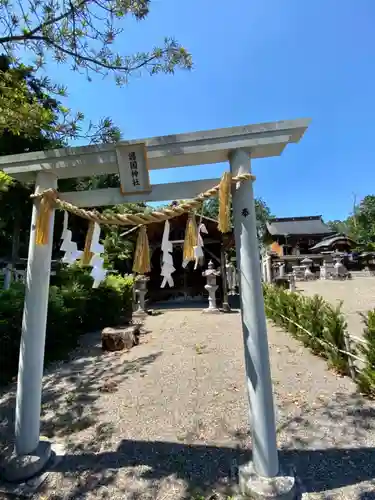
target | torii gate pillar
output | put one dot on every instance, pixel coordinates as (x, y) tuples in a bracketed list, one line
[(32, 454), (261, 478)]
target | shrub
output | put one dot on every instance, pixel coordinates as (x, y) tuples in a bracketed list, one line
[(334, 333), (366, 376), (74, 308), (10, 330), (311, 320)]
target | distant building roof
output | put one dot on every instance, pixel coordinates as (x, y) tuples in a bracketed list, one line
[(329, 242), (298, 226)]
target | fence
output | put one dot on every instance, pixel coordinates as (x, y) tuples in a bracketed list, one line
[(16, 276)]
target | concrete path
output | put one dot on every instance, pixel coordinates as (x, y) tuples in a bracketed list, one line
[(169, 419)]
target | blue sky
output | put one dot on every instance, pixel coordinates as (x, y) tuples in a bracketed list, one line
[(257, 61)]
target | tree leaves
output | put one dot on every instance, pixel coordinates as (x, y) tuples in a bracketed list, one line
[(5, 181), (262, 212), (360, 225), (28, 109), (82, 33)]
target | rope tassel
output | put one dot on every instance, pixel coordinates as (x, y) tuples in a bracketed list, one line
[(191, 240), (142, 253), (87, 254), (42, 228), (224, 203)]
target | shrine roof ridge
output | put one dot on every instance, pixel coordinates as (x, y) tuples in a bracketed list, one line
[(298, 226), (292, 219)]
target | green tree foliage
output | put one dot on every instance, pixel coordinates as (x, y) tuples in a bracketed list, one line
[(364, 222), (81, 33), (119, 249), (360, 225), (15, 203), (71, 304), (340, 226), (53, 132), (262, 212), (22, 99), (5, 182), (28, 110)]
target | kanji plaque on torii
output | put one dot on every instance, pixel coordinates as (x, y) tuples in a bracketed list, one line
[(133, 168)]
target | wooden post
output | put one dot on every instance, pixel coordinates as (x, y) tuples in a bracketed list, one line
[(226, 306), (185, 284), (351, 364)]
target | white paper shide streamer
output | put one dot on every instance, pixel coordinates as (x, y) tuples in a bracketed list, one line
[(98, 272), (167, 248), (198, 250), (68, 246), (72, 253)]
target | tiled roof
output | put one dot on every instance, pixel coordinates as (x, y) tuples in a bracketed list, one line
[(298, 225), (334, 239)]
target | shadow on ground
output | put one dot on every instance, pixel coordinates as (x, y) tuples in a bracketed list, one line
[(71, 390), (204, 469), (323, 458), (140, 469)]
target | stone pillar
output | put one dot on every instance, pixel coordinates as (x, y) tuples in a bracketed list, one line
[(264, 269), (282, 270), (7, 277), (292, 283), (224, 279), (211, 287), (261, 478), (323, 271), (31, 454), (140, 291), (231, 277), (269, 268)]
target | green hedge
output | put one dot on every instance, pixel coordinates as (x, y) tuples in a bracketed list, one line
[(366, 376), (74, 308), (320, 326), (326, 325)]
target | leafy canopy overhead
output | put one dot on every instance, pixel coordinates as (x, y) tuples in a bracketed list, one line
[(262, 213), (29, 110), (360, 225), (83, 34)]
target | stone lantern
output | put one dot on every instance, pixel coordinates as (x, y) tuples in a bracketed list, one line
[(140, 288), (340, 270), (307, 263), (211, 274)]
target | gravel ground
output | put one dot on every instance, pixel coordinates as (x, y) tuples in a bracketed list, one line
[(358, 296), (168, 420)]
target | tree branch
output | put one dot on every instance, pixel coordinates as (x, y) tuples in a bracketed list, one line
[(41, 26), (92, 60)]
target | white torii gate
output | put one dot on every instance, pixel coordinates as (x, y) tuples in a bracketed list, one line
[(262, 477)]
